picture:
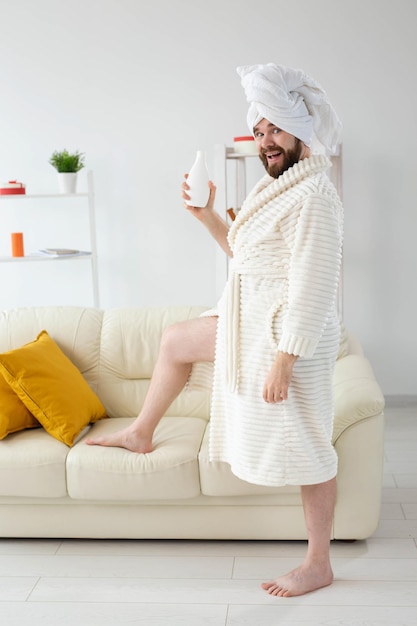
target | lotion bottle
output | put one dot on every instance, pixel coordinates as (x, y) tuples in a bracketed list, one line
[(198, 180)]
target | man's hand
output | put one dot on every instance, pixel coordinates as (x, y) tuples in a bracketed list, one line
[(279, 378), (215, 224), (201, 213)]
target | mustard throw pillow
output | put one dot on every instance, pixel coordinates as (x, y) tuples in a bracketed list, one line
[(14, 416), (52, 388)]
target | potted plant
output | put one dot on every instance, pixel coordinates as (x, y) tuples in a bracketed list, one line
[(67, 165)]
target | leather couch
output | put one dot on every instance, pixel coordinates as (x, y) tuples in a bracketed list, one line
[(48, 489)]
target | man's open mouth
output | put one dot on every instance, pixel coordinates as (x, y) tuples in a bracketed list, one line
[(272, 156)]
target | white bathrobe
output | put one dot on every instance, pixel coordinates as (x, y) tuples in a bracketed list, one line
[(280, 295)]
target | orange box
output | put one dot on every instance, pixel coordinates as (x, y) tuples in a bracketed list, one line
[(17, 244)]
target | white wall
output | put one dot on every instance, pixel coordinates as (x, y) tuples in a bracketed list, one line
[(139, 86)]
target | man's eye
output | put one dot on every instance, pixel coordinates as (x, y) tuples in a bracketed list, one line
[(276, 130)]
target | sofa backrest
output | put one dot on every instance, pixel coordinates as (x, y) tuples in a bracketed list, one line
[(115, 349), (130, 341)]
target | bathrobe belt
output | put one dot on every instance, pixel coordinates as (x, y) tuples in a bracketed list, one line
[(232, 313)]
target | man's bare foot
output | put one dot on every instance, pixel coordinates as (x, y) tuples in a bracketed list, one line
[(127, 438), (301, 580)]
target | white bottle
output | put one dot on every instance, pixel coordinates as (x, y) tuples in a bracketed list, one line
[(198, 179)]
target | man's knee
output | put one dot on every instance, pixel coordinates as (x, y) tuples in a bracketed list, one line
[(190, 340), (171, 339)]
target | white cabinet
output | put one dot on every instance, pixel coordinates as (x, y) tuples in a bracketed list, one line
[(235, 175), (71, 219)]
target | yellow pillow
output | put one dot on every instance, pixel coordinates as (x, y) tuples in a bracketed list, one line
[(52, 388), (14, 415)]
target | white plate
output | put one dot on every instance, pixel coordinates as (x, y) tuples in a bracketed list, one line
[(60, 251)]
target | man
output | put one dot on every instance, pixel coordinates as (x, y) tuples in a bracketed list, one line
[(274, 335)]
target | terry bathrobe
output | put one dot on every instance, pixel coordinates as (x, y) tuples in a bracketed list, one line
[(280, 295)]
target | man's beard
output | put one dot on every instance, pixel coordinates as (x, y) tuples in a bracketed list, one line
[(290, 157)]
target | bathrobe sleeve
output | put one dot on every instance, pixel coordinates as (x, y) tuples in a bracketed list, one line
[(313, 275)]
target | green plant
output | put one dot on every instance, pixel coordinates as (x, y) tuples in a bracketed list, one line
[(63, 161)]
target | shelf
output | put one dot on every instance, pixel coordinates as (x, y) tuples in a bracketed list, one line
[(9, 206), (30, 258), (231, 154), (28, 196)]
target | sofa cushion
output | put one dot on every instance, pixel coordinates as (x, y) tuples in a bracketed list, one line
[(52, 388), (32, 464), (76, 330), (14, 416), (169, 472)]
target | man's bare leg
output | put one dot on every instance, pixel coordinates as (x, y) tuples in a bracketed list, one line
[(316, 571), (182, 344)]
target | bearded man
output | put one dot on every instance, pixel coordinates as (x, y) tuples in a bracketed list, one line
[(274, 335)]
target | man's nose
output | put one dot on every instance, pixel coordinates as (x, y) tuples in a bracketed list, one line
[(267, 140)]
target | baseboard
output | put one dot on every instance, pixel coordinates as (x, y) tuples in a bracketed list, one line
[(400, 401)]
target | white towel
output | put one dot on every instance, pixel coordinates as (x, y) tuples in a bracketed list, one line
[(292, 101)]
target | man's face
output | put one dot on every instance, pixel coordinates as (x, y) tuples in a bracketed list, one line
[(277, 149)]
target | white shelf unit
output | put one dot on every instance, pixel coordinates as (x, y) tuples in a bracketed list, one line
[(235, 175), (90, 255)]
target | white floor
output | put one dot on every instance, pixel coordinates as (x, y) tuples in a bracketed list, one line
[(180, 583)]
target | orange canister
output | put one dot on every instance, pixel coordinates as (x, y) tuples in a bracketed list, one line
[(17, 244)]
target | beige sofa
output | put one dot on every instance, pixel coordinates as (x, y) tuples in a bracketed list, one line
[(48, 489)]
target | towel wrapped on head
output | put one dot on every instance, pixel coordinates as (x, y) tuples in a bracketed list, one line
[(292, 101)]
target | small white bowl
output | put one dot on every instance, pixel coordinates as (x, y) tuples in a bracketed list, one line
[(245, 145)]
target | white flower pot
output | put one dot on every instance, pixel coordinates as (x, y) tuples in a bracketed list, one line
[(67, 182)]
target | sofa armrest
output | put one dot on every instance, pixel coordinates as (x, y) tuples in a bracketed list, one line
[(360, 450), (358, 436), (357, 395), (354, 345)]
